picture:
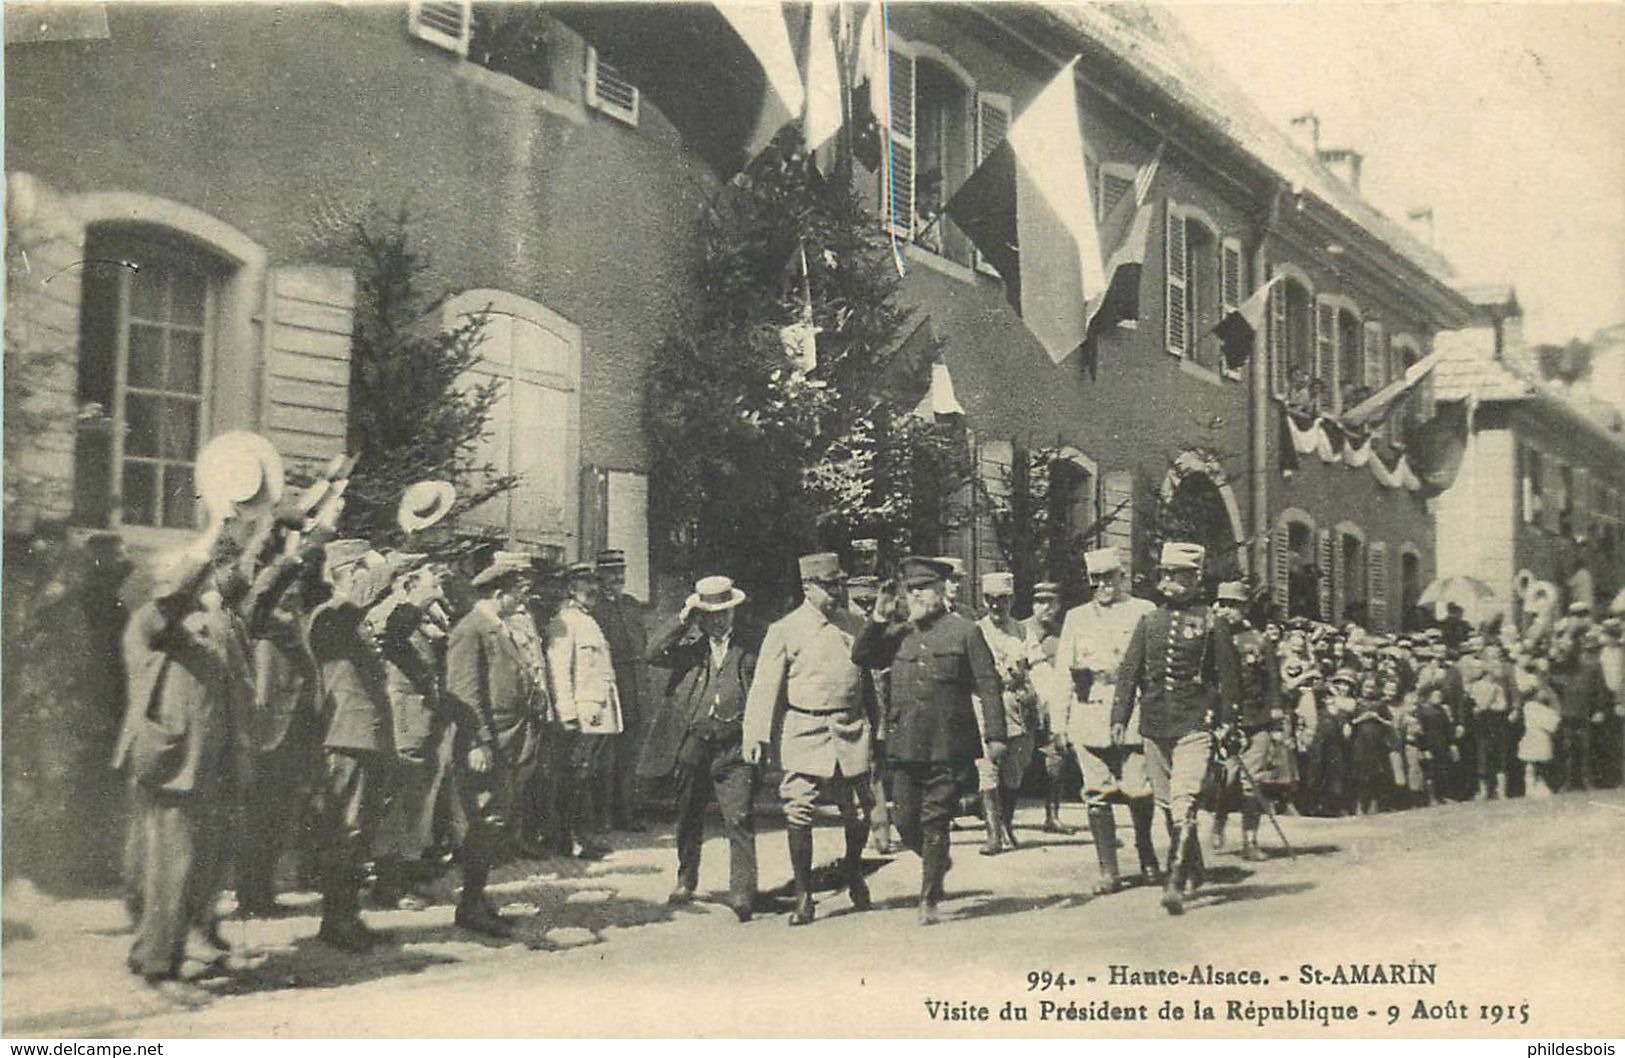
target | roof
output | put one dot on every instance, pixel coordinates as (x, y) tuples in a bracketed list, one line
[(1468, 367), (1153, 43)]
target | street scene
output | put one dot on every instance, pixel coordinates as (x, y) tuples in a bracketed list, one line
[(529, 519)]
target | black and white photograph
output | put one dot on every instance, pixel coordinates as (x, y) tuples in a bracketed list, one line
[(949, 520)]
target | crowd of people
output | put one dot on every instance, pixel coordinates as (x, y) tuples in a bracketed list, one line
[(398, 717)]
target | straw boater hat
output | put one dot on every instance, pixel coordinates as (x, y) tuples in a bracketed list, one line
[(424, 503), (712, 594), (998, 584), (239, 467), (611, 558)]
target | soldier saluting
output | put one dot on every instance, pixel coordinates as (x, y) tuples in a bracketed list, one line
[(1181, 665)]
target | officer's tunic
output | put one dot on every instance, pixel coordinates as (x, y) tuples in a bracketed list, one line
[(1095, 638)]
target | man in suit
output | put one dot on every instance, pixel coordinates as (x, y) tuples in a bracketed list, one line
[(587, 700), (1181, 670), (491, 695), (697, 734), (938, 661), (820, 704), (357, 737), (185, 742), (621, 617)]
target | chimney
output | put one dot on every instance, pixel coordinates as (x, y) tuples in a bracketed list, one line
[(1306, 133), (1344, 163), (1420, 221)]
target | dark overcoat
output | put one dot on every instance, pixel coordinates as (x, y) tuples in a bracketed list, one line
[(936, 668)]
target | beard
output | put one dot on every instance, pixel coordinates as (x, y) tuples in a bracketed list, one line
[(919, 611)]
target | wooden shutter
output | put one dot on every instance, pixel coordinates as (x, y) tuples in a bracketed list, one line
[(305, 404), (447, 24), (1281, 569), (1177, 273), (1278, 343), (1376, 567), (1117, 514), (609, 92), (992, 126), (900, 193), (1376, 356), (1326, 352), (1326, 558), (1113, 186), (1230, 284)]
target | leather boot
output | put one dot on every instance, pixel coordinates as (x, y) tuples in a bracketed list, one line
[(856, 887), (584, 820), (992, 813), (1249, 844), (933, 866), (1103, 828), (1141, 810), (801, 853), (1007, 817), (1219, 821), (1052, 816), (1173, 895)]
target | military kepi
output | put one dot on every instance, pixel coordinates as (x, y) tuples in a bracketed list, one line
[(1102, 561), (1181, 555), (998, 584), (917, 571), (822, 565)]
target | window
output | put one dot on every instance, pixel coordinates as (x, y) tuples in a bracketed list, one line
[(609, 92), (147, 317), (1291, 344), (1350, 602), (934, 134), (1203, 292), (447, 24), (1294, 587), (1349, 357), (1376, 357), (1108, 183), (1534, 498), (534, 430)]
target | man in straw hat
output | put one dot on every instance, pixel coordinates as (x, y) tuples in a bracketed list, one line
[(808, 689), (938, 662), (621, 617), (587, 701), (357, 738), (492, 692), (1000, 783), (1180, 668), (1094, 638), (697, 733)]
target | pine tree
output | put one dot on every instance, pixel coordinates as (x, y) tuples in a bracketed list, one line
[(413, 413)]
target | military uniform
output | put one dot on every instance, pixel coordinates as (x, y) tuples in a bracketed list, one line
[(587, 704), (1094, 640), (620, 616), (937, 667)]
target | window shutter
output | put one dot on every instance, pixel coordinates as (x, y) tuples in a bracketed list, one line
[(1113, 186), (1117, 514), (609, 92), (447, 24), (1326, 352), (1376, 356), (309, 316), (992, 126), (1376, 565), (900, 194), (1230, 275), (1281, 569), (1325, 557), (1278, 340), (1176, 272)]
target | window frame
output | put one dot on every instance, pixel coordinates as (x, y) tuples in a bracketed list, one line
[(909, 233), (595, 70), (1279, 353), (432, 34), (1338, 304)]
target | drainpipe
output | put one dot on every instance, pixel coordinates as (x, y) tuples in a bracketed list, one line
[(1259, 407)]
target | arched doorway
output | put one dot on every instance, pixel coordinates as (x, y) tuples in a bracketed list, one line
[(1195, 511)]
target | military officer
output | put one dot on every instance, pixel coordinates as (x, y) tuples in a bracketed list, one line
[(357, 740), (621, 617), (1042, 631), (1181, 669), (1257, 721), (938, 662), (954, 586), (697, 734), (1093, 640), (1000, 783), (808, 689), (492, 694), (587, 699)]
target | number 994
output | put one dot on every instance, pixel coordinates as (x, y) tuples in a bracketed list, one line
[(1048, 981)]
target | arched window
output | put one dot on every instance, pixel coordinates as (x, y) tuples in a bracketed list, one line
[(1350, 360), (1347, 573), (934, 145), (148, 325), (534, 431), (1291, 340), (1294, 582)]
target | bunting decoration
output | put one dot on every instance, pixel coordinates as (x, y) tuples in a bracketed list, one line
[(1298, 435)]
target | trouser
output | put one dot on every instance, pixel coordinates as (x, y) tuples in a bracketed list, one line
[(283, 780), (717, 768), (487, 801), (851, 793), (570, 783), (179, 851), (350, 799), (1176, 767), (925, 797), (879, 792), (620, 793), (1490, 738), (1326, 771), (1574, 735), (1113, 772)]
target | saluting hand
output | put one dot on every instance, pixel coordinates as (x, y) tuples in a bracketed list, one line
[(479, 760), (885, 604)]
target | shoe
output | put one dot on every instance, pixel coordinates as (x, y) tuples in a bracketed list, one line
[(180, 993), (681, 896), (1249, 847), (805, 910), (880, 840), (742, 906), (1053, 824), (593, 850), (478, 918), (1173, 901), (346, 934), (858, 890)]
